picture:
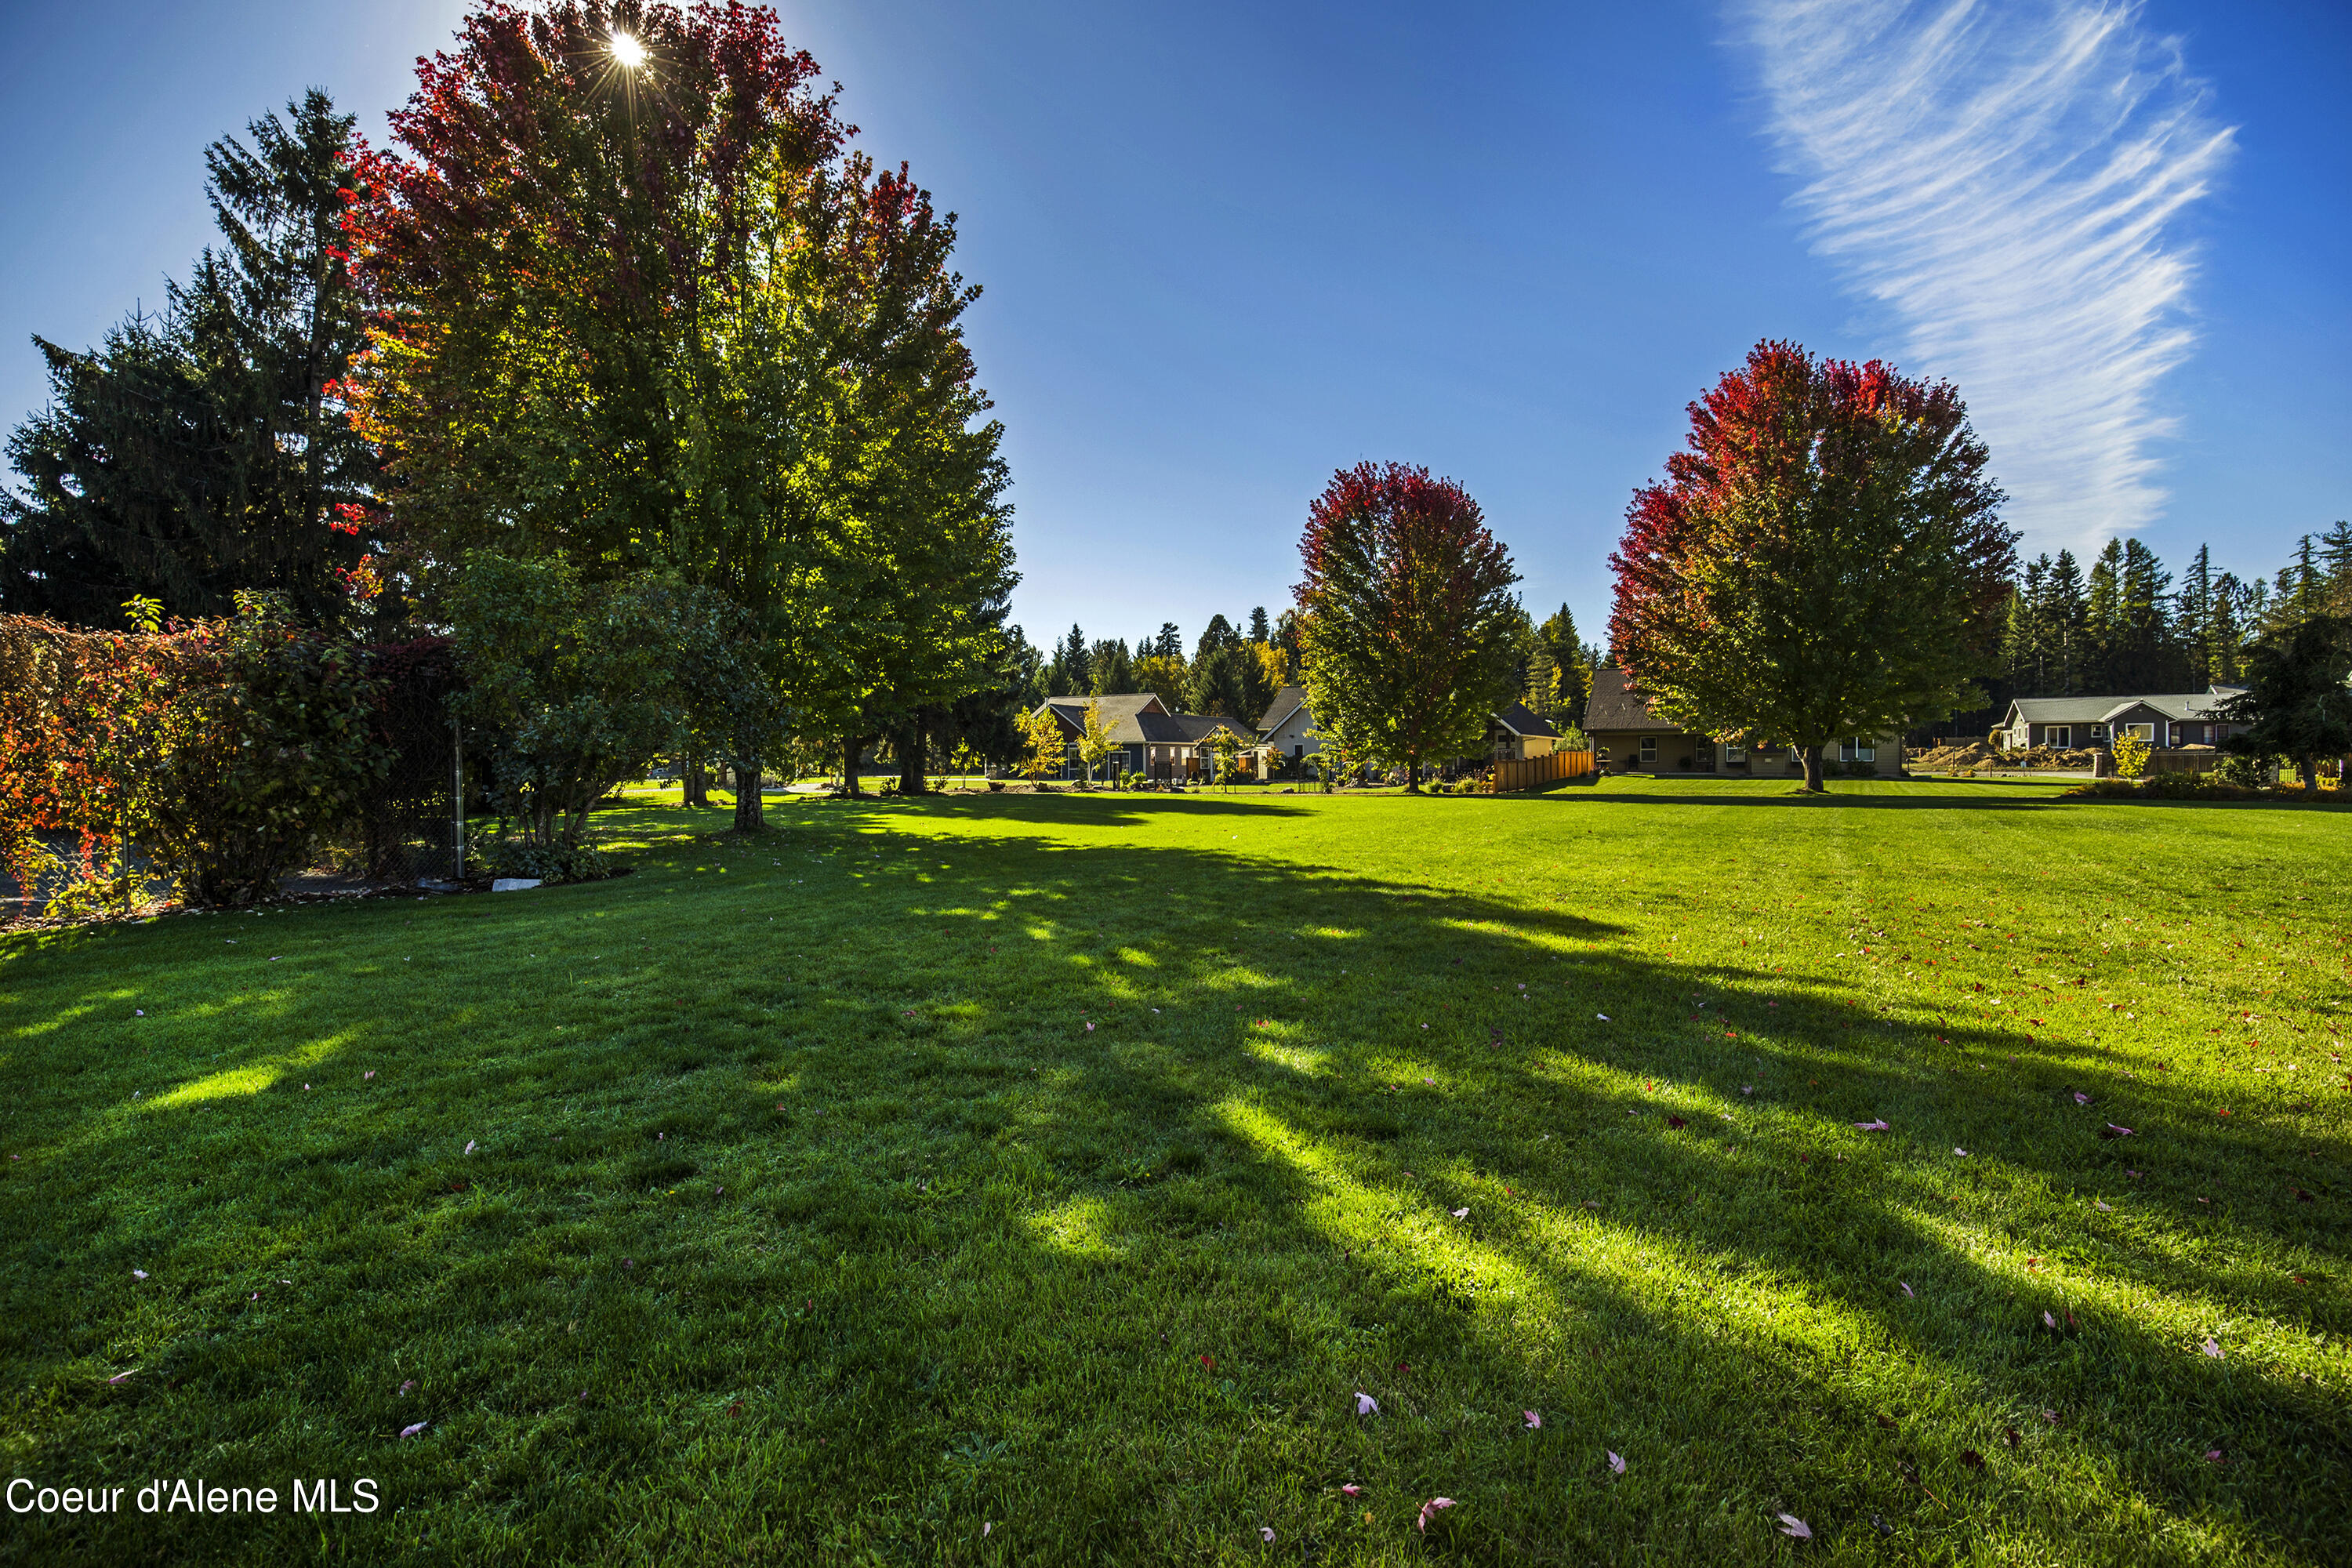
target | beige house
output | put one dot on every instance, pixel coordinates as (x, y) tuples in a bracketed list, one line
[(1628, 737)]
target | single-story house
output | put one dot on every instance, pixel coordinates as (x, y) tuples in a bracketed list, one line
[(1628, 737), (1515, 735), (1288, 730), (1151, 740), (2092, 723)]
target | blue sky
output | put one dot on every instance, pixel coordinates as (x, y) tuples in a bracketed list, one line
[(1228, 249)]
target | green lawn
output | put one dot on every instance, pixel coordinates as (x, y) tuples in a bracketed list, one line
[(1040, 1179)]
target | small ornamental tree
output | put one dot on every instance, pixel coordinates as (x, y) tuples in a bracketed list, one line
[(1825, 558), (1227, 748), (575, 687), (2131, 756), (1095, 746), (1407, 625), (1042, 748), (2297, 700)]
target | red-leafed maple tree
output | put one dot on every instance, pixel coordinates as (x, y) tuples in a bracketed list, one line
[(1825, 558), (1406, 617)]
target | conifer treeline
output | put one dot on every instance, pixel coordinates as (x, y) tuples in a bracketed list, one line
[(2127, 625), (1237, 673)]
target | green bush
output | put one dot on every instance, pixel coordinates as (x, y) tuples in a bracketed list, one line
[(515, 857), (2131, 756)]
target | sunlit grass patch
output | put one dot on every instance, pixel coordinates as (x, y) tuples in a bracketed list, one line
[(806, 1218)]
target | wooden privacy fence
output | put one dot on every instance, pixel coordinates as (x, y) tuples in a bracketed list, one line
[(1510, 777)]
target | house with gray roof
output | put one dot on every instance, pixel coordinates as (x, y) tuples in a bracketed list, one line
[(1169, 747), (1513, 734), (2092, 723), (1627, 737)]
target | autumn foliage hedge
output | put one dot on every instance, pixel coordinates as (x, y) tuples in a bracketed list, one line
[(211, 754)]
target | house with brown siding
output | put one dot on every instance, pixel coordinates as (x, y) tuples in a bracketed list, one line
[(1628, 737)]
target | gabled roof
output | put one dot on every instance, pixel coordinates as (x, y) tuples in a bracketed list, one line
[(1188, 729), (1287, 701), (2177, 705), (1120, 712), (1520, 722), (1617, 707)]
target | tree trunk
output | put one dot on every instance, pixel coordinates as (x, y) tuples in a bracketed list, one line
[(2307, 765), (911, 747), (1412, 773), (851, 747), (749, 802), (695, 789), (1812, 755)]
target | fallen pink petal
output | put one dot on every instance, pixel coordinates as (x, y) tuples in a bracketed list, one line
[(1265, 1531), (412, 1431), (1795, 1529), (139, 1274), (1351, 1490), (1432, 1505), (2212, 1350), (1366, 1404), (1533, 1419), (121, 1377), (1907, 1290), (1616, 1465), (1870, 1126)]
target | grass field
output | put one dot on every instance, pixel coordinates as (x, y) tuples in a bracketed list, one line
[(1042, 1179)]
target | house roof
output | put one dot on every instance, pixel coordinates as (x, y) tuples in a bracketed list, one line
[(1520, 722), (1188, 729), (1287, 701), (1617, 707), (1120, 714), (2179, 705)]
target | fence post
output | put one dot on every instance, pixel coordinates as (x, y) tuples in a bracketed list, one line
[(458, 798)]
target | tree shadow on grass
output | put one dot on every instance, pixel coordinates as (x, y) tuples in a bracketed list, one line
[(1001, 1242)]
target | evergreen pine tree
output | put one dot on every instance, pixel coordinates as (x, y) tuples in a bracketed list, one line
[(2336, 557), (1261, 629), (203, 451), (2063, 621), (2194, 616)]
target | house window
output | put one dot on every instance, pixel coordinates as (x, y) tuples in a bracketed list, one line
[(1864, 751), (1649, 751), (2061, 736), (2098, 733), (2144, 732), (1736, 755)]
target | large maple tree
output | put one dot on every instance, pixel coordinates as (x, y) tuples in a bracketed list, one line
[(1824, 558), (638, 309), (1407, 623)]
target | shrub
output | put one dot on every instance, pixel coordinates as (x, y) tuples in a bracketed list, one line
[(220, 752), (575, 685), (2245, 772), (2131, 756)]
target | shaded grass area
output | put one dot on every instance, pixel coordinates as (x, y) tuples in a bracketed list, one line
[(1040, 1178)]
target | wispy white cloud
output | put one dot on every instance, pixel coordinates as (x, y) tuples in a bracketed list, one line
[(2007, 178)]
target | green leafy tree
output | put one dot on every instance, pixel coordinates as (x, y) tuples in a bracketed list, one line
[(574, 686), (1407, 619), (1095, 744), (1166, 677), (2298, 698), (1825, 558), (1042, 748), (1226, 747), (205, 451)]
